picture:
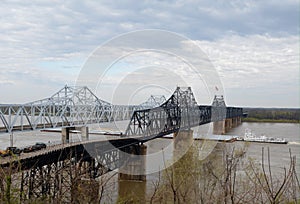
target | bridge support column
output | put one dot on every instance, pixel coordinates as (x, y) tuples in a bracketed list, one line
[(234, 122), (132, 184), (65, 135), (228, 124), (85, 133), (182, 142), (239, 120), (219, 127), (135, 166)]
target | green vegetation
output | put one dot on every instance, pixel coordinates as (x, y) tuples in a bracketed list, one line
[(278, 115)]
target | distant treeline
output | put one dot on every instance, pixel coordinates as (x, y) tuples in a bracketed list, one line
[(272, 115)]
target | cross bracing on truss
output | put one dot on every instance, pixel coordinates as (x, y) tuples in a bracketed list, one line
[(180, 111), (218, 109), (153, 101), (71, 105)]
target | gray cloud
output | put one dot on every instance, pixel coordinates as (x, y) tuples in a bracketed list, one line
[(40, 39), (264, 67)]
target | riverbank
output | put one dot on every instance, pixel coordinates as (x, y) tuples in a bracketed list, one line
[(272, 115), (258, 120)]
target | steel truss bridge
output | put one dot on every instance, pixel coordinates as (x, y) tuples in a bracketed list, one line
[(44, 172), (179, 112), (155, 118), (68, 107)]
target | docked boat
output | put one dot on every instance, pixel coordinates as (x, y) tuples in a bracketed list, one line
[(251, 137)]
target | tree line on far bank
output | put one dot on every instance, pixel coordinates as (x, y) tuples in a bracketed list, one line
[(272, 114)]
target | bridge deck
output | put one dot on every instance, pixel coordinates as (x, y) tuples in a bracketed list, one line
[(61, 152)]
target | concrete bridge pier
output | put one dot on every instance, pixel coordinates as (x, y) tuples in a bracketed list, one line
[(183, 160), (228, 124), (65, 133), (182, 142), (239, 120), (234, 122), (224, 126), (132, 175), (84, 133), (135, 163), (219, 127)]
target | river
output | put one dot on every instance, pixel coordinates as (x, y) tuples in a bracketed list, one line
[(279, 153), (160, 151)]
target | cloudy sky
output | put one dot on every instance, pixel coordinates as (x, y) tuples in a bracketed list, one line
[(254, 45)]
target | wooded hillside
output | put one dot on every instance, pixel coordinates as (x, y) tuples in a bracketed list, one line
[(273, 114)]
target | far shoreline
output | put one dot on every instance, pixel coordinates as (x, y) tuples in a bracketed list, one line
[(256, 120)]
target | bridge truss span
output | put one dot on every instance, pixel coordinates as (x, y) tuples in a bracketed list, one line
[(68, 107), (179, 112)]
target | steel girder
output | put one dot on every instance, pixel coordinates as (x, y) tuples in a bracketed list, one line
[(153, 101)]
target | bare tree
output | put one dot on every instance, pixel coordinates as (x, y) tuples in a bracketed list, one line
[(276, 191), (232, 179)]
